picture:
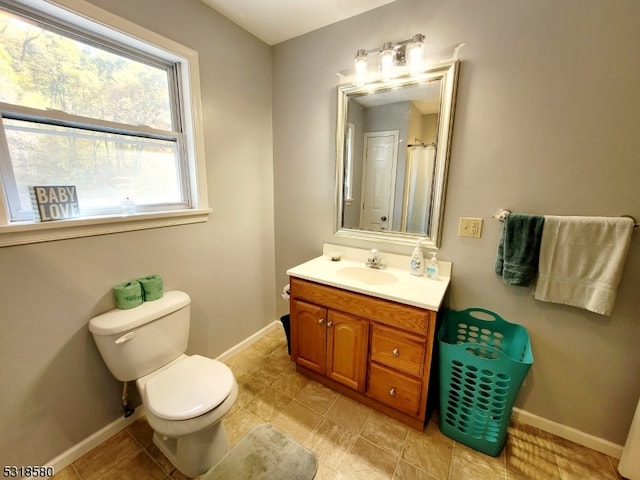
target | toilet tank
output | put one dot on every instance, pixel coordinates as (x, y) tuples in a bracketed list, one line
[(139, 340)]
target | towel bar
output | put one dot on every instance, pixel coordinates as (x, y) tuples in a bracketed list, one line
[(503, 212), (635, 224)]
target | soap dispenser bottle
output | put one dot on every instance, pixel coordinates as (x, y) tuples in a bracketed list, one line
[(416, 264), (433, 269)]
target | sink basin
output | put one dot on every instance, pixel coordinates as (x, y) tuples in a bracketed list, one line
[(370, 276)]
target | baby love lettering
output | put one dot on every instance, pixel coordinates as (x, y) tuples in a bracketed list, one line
[(56, 202)]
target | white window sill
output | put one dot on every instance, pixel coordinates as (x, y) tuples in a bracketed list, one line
[(34, 232)]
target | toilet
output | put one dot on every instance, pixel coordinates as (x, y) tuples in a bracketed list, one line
[(185, 397)]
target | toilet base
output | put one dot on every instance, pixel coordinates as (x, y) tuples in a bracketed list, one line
[(196, 453)]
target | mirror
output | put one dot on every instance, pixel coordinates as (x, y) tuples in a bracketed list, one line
[(393, 139)]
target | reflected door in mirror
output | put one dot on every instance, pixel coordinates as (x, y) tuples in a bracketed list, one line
[(378, 187)]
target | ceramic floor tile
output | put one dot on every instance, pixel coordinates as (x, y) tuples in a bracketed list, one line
[(266, 370), (248, 387), (404, 471), (350, 441), (468, 464), (349, 413), (140, 467), (430, 451), (238, 424), (178, 475), (297, 421), (142, 432), (330, 442), (290, 382), (270, 343), (240, 362), (116, 451), (325, 472), (160, 458), (281, 356), (317, 397), (267, 404), (582, 463), (530, 453), (67, 473), (368, 462), (385, 432)]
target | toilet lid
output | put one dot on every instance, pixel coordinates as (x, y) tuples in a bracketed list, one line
[(188, 388)]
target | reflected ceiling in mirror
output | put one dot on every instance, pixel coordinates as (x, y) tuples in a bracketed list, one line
[(393, 141)]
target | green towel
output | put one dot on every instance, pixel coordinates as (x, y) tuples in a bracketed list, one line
[(519, 248)]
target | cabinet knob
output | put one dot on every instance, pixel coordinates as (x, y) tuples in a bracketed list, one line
[(321, 321), (396, 352), (392, 392), (329, 324)]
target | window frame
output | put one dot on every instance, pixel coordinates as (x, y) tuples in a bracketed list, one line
[(87, 17)]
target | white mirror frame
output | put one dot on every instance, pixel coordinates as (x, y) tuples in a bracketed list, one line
[(447, 72)]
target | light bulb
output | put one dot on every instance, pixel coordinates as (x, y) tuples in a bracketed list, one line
[(361, 67), (387, 60), (415, 54)]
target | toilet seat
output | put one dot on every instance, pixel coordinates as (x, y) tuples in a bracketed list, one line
[(188, 388)]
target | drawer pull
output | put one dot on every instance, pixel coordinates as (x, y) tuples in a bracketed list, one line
[(396, 352), (329, 324), (392, 392), (321, 321)]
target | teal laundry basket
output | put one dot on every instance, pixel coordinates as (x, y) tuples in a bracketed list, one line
[(483, 361)]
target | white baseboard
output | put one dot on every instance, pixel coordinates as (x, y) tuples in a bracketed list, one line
[(569, 433), (67, 458), (247, 342)]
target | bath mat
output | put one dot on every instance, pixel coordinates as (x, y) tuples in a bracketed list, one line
[(265, 454)]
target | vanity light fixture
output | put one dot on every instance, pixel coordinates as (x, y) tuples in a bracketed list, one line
[(394, 59)]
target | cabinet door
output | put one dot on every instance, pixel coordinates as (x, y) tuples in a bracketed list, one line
[(347, 339), (309, 335)]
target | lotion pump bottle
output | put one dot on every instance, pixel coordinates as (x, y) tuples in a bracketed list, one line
[(433, 269), (417, 261)]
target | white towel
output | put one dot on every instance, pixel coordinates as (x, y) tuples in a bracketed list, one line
[(581, 261)]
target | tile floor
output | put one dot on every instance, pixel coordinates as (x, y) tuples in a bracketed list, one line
[(350, 440)]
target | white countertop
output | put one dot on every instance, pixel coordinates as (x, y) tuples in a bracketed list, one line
[(392, 283)]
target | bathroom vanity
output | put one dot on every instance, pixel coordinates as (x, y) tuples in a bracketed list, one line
[(366, 333)]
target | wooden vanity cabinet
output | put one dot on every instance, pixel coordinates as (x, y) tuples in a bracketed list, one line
[(373, 350), (330, 343)]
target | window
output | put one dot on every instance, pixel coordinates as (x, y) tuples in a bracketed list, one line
[(101, 110), (348, 163)]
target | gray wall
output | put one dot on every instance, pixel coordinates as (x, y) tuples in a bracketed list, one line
[(546, 122), (56, 390)]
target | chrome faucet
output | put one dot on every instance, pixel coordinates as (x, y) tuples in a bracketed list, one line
[(374, 261)]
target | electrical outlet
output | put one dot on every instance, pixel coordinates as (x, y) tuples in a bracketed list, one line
[(470, 227)]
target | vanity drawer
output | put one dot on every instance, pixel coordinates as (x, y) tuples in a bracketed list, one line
[(397, 349), (394, 389)]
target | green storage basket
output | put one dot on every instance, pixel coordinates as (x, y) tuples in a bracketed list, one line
[(483, 361)]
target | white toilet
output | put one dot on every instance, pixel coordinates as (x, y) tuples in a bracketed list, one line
[(185, 397)]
